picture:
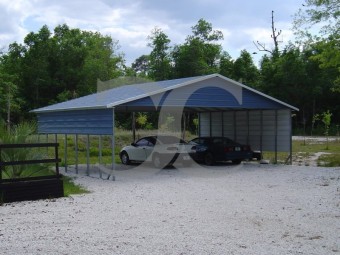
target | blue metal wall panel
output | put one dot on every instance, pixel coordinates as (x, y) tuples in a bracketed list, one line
[(252, 100), (94, 122), (209, 96), (153, 101), (204, 97), (146, 101)]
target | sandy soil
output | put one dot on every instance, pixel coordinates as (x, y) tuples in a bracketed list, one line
[(225, 209)]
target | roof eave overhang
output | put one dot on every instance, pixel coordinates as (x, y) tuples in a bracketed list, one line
[(41, 110)]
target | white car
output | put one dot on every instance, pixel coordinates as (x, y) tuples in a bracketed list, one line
[(161, 150)]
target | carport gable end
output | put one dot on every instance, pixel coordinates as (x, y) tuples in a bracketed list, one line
[(216, 93)]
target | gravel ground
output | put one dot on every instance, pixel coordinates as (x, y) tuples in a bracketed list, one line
[(225, 209)]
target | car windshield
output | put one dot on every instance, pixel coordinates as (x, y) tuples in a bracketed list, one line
[(199, 141), (169, 139)]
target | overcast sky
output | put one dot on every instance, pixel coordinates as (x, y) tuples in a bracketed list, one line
[(131, 21)]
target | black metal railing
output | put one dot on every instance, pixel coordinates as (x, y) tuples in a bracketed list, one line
[(55, 160)]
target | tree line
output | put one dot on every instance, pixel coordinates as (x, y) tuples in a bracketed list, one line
[(50, 67)]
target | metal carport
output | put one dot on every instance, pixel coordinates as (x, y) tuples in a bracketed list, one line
[(225, 107)]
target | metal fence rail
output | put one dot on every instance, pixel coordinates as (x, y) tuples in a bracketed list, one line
[(55, 160)]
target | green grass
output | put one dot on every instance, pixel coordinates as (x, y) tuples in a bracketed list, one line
[(303, 150), (329, 160), (312, 147), (70, 188)]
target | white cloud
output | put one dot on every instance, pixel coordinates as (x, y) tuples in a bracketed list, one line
[(131, 21)]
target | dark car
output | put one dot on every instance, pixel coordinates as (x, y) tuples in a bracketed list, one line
[(212, 149)]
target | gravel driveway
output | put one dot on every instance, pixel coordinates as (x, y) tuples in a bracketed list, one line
[(225, 209)]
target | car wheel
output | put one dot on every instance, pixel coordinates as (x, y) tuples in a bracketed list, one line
[(236, 161), (209, 159), (157, 161), (124, 157)]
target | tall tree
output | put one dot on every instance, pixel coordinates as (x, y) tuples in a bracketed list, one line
[(318, 12), (10, 100), (244, 69), (294, 77), (324, 13), (141, 66), (66, 64), (200, 54), (36, 76), (159, 59), (226, 65)]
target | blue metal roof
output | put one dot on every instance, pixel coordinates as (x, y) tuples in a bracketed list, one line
[(135, 94)]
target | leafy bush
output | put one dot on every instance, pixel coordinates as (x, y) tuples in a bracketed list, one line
[(21, 133)]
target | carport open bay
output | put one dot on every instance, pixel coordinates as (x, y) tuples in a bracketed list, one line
[(225, 209)]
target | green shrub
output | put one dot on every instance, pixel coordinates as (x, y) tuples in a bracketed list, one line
[(21, 133)]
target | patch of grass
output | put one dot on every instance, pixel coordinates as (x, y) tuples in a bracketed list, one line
[(312, 147), (70, 188), (329, 160), (281, 156), (302, 151)]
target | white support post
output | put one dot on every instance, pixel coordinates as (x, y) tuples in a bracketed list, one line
[(199, 124), (222, 120), (113, 139), (46, 142), (184, 125), (76, 151), (291, 137), (248, 127), (276, 122), (65, 152), (261, 131), (210, 124), (133, 126), (235, 127), (88, 155), (100, 149), (100, 154)]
